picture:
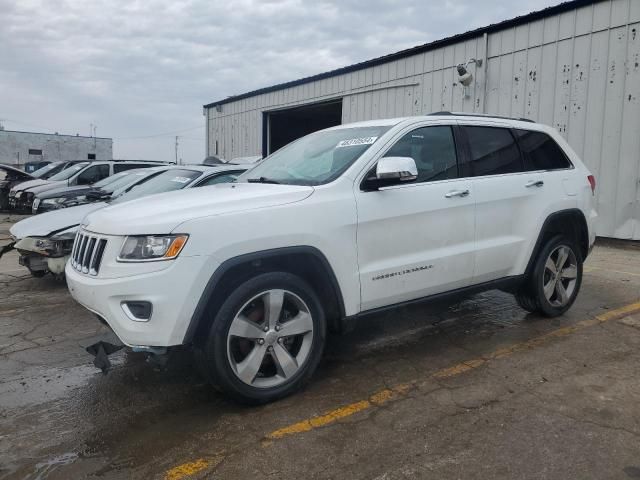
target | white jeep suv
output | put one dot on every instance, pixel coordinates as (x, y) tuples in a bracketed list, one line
[(339, 224)]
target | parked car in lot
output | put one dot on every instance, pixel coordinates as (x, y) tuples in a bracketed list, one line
[(44, 241), (80, 173), (339, 224), (7, 191), (10, 176), (65, 197)]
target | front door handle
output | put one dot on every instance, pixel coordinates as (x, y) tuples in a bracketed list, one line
[(457, 193), (534, 183)]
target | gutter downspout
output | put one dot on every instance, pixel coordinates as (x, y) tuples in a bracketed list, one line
[(486, 69), (206, 148)]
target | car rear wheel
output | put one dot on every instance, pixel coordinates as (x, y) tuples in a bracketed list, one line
[(267, 339), (555, 281)]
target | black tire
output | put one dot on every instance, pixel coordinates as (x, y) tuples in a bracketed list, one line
[(214, 356), (38, 273), (531, 296), (527, 302)]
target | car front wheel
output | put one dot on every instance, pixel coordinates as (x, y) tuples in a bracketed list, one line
[(267, 338)]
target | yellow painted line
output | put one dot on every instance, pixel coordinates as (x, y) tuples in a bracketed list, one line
[(333, 416), (591, 269), (186, 469), (619, 312), (387, 395)]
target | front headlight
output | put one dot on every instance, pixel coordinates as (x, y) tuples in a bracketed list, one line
[(53, 202), (151, 247), (44, 244)]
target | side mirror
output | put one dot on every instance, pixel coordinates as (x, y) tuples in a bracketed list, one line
[(392, 171)]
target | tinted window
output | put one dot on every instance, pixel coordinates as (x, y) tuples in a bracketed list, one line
[(493, 152), (122, 167), (93, 174), (540, 151), (433, 150), (223, 178)]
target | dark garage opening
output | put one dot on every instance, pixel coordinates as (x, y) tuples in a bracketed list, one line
[(285, 126)]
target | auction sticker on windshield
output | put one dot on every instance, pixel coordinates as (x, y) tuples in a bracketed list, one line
[(180, 179), (355, 142)]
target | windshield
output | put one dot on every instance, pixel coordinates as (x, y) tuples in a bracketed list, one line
[(113, 178), (174, 179), (68, 172), (128, 178), (317, 158), (48, 170)]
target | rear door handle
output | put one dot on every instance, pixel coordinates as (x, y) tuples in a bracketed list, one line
[(534, 183), (457, 193)]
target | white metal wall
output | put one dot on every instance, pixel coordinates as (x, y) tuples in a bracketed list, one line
[(578, 71)]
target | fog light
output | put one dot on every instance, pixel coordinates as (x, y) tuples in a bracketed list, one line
[(138, 311)]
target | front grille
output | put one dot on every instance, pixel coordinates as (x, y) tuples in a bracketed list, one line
[(87, 253)]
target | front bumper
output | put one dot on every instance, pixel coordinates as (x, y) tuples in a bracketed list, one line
[(174, 292)]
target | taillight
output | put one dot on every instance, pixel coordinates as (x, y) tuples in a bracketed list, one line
[(592, 182)]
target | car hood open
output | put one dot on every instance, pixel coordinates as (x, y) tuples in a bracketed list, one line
[(45, 224), (164, 212)]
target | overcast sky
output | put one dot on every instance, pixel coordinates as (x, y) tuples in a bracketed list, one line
[(141, 70)]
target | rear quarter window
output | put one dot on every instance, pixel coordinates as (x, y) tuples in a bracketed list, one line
[(541, 152)]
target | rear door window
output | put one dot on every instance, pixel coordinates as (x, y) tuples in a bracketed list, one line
[(492, 150), (541, 152)]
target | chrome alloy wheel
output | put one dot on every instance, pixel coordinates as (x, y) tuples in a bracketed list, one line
[(270, 338), (560, 275)]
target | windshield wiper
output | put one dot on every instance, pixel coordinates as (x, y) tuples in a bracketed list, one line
[(262, 180)]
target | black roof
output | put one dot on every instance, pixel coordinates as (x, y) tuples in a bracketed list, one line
[(494, 27)]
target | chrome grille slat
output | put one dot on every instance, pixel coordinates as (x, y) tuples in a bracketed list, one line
[(87, 253), (91, 243), (83, 245)]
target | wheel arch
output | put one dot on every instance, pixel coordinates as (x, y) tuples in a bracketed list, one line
[(571, 222), (305, 261)]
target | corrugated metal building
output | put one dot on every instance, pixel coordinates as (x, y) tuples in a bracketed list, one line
[(575, 66)]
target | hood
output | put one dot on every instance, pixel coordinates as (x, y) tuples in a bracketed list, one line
[(50, 222), (28, 184), (164, 212), (66, 192), (45, 187)]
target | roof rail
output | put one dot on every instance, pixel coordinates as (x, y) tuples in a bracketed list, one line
[(464, 114)]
